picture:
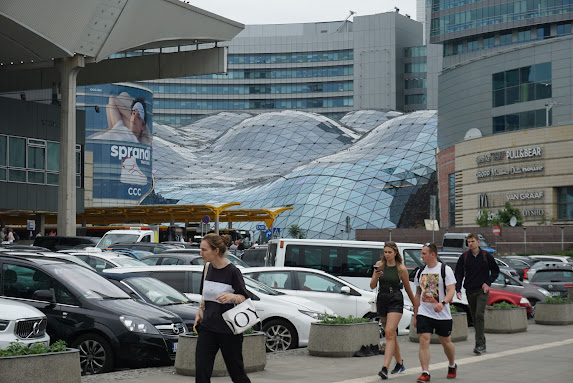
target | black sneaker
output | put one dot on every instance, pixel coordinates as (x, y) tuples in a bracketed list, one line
[(383, 373), (374, 349), (480, 349), (364, 351), (398, 368)]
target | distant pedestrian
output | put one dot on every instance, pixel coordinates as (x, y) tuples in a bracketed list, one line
[(478, 269), (52, 233), (390, 275), (2, 235), (240, 244), (11, 238), (233, 246), (432, 309)]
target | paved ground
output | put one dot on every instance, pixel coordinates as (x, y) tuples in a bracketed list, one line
[(542, 354)]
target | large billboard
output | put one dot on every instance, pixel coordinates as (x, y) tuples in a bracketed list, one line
[(119, 134)]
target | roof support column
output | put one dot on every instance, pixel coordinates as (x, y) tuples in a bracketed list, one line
[(68, 69), (217, 223)]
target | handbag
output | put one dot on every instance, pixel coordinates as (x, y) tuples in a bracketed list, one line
[(241, 317)]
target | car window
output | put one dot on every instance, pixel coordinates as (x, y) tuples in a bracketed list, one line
[(274, 279), (124, 261), (502, 277), (412, 258), (171, 261), (99, 264), (175, 279), (17, 281), (156, 291), (552, 276), (316, 282), (150, 260), (146, 238), (255, 257)]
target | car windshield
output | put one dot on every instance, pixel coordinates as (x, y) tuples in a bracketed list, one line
[(156, 291), (236, 261), (110, 239), (87, 283), (259, 287), (553, 276), (128, 262)]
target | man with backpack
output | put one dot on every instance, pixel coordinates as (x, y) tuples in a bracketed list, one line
[(435, 289), (478, 269)]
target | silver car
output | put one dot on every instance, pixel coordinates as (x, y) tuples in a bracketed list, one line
[(507, 282)]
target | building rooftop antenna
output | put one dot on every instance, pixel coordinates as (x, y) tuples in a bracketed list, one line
[(345, 21)]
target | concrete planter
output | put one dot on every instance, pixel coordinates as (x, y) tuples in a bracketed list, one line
[(459, 330), (53, 367), (341, 340), (570, 292), (554, 313), (505, 321), (254, 355)]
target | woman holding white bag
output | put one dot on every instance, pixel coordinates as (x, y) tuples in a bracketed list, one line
[(223, 287)]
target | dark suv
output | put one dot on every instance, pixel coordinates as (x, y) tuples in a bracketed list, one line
[(56, 242), (92, 314)]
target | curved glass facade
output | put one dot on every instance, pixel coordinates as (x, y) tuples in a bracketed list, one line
[(379, 174)]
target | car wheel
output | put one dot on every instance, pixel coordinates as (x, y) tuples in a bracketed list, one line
[(96, 355), (533, 303), (280, 335)]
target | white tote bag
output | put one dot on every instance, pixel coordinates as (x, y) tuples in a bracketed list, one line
[(241, 317)]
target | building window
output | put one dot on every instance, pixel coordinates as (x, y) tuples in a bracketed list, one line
[(488, 41), (416, 99), (543, 32), (452, 199), (565, 203), (520, 121), (563, 29), (505, 38), (521, 85)]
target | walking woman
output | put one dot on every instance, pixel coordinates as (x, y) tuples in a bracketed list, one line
[(222, 288), (390, 273)]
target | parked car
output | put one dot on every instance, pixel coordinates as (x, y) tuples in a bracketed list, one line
[(255, 256), (182, 245), (536, 266), (59, 256), (185, 257), (55, 243), (20, 322), (552, 258), (497, 296), (91, 314), (555, 279), (155, 292), (154, 248), (107, 260), (337, 294), (507, 282), (459, 242), (135, 254), (6, 247), (285, 318), (519, 265), (452, 262)]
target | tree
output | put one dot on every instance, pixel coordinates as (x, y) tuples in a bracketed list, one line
[(510, 211), (487, 218), (296, 231)]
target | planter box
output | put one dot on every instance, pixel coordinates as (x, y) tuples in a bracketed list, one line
[(341, 340), (554, 313), (459, 330), (53, 367), (505, 321), (254, 355), (570, 292)]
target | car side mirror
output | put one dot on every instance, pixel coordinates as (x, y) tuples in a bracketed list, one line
[(507, 281), (45, 295), (345, 290)]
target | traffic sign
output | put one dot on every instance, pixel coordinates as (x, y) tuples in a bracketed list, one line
[(31, 224), (206, 219), (261, 227), (276, 231), (496, 231), (268, 233)]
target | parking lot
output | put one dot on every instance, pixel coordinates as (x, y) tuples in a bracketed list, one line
[(543, 353)]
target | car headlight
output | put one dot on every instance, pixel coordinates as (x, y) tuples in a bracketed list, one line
[(135, 324), (544, 292), (524, 301), (4, 324), (313, 314)]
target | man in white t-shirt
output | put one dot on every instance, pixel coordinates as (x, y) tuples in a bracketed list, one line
[(432, 309)]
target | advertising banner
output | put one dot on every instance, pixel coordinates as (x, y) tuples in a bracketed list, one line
[(119, 134)]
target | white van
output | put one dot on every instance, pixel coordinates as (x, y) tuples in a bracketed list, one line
[(352, 261), (458, 242), (117, 236)]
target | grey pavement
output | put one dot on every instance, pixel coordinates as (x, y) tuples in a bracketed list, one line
[(542, 354)]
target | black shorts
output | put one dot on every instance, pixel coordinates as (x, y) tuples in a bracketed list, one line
[(426, 324), (390, 303)]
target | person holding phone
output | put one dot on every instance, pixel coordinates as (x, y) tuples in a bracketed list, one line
[(390, 274)]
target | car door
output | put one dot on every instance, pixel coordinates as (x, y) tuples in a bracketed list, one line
[(512, 285)]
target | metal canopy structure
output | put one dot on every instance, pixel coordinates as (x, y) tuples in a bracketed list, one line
[(62, 43), (149, 214)]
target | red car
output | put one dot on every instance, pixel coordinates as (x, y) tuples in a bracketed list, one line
[(496, 296)]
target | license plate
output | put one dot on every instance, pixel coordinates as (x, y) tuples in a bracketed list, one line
[(174, 346), (554, 293)]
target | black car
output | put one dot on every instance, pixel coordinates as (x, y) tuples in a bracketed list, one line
[(156, 292), (55, 243), (555, 278), (255, 256), (154, 248), (91, 314)]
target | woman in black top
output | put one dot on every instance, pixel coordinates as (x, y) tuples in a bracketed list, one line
[(390, 273), (222, 288)]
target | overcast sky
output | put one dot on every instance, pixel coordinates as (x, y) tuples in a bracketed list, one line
[(300, 11)]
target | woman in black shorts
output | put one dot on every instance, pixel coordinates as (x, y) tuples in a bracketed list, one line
[(390, 274)]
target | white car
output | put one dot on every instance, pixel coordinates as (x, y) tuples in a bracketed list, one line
[(285, 318), (337, 294), (21, 322), (107, 260)]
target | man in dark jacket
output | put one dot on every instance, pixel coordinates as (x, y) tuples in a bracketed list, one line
[(478, 269)]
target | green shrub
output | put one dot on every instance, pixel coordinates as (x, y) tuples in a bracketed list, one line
[(18, 348), (343, 320), (556, 300), (453, 309), (503, 306)]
